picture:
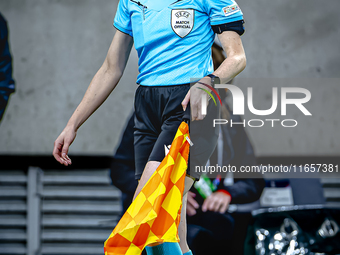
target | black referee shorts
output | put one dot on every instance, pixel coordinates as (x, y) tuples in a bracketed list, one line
[(159, 113)]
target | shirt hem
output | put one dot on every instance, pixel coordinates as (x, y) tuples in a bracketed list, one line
[(123, 30)]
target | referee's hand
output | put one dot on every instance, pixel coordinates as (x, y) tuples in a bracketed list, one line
[(194, 97), (61, 145)]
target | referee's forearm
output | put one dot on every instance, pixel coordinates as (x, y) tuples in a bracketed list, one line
[(99, 89), (105, 80), (231, 67)]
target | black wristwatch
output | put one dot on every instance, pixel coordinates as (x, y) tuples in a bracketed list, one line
[(214, 80)]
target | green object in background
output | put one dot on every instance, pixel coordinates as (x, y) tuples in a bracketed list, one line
[(204, 186)]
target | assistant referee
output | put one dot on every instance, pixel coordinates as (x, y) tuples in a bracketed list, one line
[(173, 40)]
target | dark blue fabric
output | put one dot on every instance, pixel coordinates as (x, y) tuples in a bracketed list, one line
[(6, 80)]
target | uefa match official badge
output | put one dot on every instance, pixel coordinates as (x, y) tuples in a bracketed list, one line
[(182, 21)]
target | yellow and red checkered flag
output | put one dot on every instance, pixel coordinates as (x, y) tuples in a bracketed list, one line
[(154, 215)]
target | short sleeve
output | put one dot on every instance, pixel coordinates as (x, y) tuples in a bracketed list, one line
[(122, 19), (223, 11)]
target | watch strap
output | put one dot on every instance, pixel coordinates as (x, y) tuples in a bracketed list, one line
[(214, 78)]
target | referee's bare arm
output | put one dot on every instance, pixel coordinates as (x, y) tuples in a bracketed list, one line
[(102, 84), (230, 67), (236, 57)]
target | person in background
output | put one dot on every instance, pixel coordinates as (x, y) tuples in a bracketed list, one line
[(6, 81), (211, 228)]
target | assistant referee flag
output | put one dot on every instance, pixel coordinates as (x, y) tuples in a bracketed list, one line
[(154, 215)]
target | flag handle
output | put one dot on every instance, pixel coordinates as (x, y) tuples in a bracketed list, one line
[(186, 116)]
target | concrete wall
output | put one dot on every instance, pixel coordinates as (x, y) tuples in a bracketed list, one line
[(298, 40), (58, 45)]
